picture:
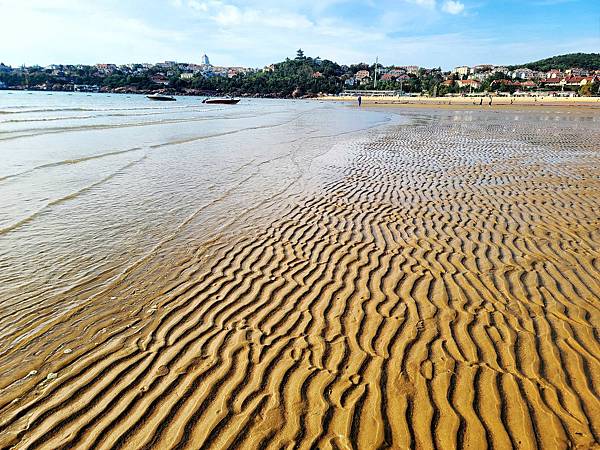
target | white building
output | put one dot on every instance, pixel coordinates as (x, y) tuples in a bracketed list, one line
[(414, 70), (480, 76), (462, 70), (524, 73)]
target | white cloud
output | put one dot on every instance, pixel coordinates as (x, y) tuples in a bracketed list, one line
[(202, 7), (258, 32), (228, 15), (453, 7), (426, 3), (60, 32)]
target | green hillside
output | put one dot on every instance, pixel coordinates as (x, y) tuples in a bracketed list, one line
[(590, 61)]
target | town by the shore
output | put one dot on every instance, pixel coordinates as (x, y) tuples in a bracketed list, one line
[(573, 75)]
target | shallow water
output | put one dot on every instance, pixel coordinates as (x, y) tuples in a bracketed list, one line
[(92, 184)]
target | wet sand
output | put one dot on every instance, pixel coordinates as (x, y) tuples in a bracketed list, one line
[(438, 288)]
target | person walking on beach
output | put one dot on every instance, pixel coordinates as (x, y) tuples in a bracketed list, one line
[(359, 101)]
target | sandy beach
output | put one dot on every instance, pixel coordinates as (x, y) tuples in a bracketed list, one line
[(396, 278), (511, 103)]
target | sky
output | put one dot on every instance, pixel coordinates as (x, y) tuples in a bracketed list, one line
[(254, 33)]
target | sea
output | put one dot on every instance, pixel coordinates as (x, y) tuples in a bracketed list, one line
[(93, 186)]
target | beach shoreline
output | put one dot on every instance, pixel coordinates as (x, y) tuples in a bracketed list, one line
[(507, 103)]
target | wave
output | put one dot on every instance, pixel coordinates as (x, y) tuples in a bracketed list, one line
[(35, 132), (70, 162), (154, 146), (72, 195)]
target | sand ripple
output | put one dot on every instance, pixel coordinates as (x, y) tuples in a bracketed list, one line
[(440, 291)]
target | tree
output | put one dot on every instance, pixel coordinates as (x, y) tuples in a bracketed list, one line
[(487, 83), (590, 89), (300, 55)]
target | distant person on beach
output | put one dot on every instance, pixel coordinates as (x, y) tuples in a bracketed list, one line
[(481, 101), (490, 100), (359, 100)]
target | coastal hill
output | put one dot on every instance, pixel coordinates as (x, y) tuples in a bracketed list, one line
[(589, 61), (305, 76)]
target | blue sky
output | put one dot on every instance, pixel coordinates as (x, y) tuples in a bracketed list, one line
[(257, 32)]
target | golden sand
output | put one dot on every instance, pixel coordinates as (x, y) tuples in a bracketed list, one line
[(442, 291), (511, 103)]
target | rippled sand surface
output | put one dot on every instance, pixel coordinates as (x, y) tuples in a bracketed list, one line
[(299, 275)]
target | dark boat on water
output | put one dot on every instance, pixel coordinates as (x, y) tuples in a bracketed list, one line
[(161, 98), (221, 101)]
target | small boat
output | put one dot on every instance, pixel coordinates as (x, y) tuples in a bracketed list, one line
[(161, 98), (221, 101)]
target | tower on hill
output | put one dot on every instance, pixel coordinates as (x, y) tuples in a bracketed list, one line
[(205, 60)]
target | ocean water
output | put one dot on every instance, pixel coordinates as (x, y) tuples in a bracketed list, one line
[(92, 186)]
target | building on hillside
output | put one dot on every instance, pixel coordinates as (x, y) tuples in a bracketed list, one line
[(397, 72), (317, 75), (528, 84), (411, 69), (579, 81), (233, 71), (569, 82), (462, 71), (552, 82), (554, 73), (362, 76), (497, 84), (577, 72), (186, 76), (480, 76), (472, 84), (205, 60), (160, 78), (106, 68), (524, 73), (189, 68), (482, 68), (219, 71)]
